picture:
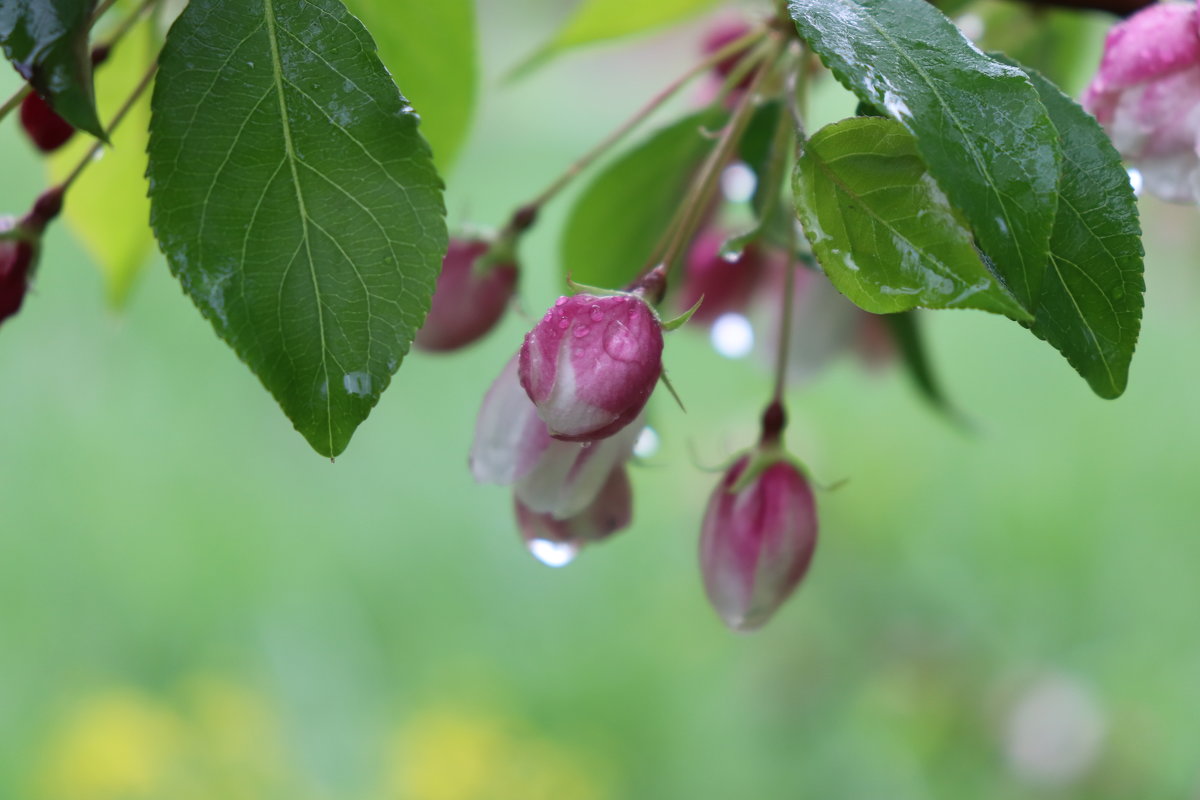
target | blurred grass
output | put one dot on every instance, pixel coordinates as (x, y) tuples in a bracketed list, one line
[(375, 629)]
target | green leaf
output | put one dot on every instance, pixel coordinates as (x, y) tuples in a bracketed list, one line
[(1090, 306), (108, 207), (429, 47), (296, 201), (47, 42), (600, 20), (881, 227), (1061, 43), (615, 225), (980, 128)]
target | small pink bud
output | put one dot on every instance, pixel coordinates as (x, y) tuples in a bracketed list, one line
[(469, 300), (725, 284), (556, 542), (756, 542), (591, 363), (1146, 94), (45, 128)]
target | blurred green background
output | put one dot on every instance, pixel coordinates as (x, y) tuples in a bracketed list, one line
[(194, 605)]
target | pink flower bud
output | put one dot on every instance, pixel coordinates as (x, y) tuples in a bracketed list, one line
[(556, 542), (17, 256), (45, 128), (725, 284), (722, 33), (513, 448), (756, 542), (1146, 94), (469, 301), (591, 363)]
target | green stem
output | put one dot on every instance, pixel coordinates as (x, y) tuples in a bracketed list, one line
[(526, 214), (695, 204), (95, 149), (785, 321), (100, 9), (14, 101)]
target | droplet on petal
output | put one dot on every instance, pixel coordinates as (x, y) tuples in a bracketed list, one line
[(589, 387)]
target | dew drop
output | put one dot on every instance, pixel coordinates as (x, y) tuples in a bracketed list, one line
[(562, 301), (738, 183), (597, 314), (553, 554), (582, 331), (1117, 293), (647, 443), (563, 323), (732, 336)]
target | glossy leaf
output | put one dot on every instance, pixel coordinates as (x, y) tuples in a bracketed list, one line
[(615, 225), (600, 20), (979, 126), (1090, 306), (1060, 43), (296, 201), (108, 206), (881, 227), (47, 42), (429, 47)]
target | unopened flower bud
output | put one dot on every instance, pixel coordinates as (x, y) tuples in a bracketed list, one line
[(591, 363), (20, 245), (513, 448), (42, 124), (723, 33), (45, 128), (757, 539), (725, 284), (470, 299), (556, 542), (1146, 94), (16, 264)]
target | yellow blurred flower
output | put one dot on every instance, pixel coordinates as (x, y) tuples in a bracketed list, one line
[(449, 754), (118, 745), (214, 741)]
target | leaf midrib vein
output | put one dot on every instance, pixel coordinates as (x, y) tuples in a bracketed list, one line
[(975, 154), (285, 123)]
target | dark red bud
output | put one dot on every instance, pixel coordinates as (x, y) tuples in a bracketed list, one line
[(45, 128), (48, 206), (724, 33), (16, 262)]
